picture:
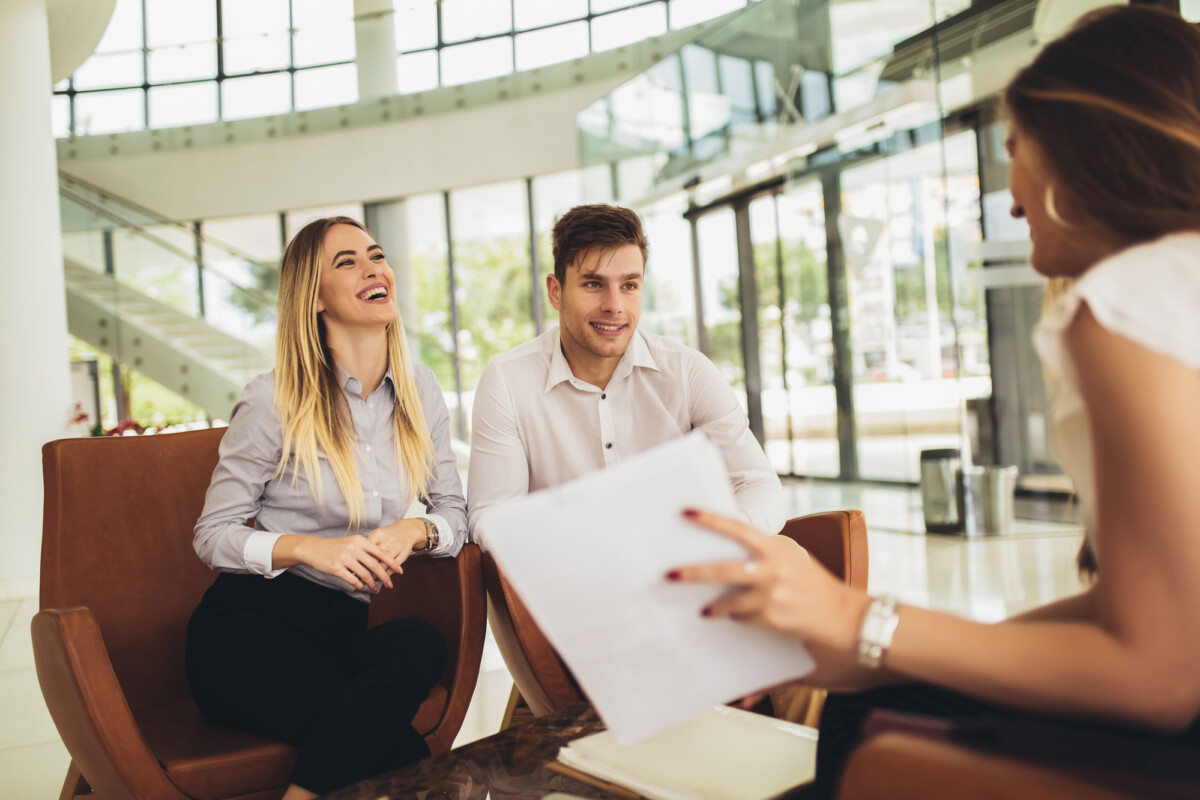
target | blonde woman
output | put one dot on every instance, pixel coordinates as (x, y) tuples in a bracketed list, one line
[(326, 454), (1106, 169)]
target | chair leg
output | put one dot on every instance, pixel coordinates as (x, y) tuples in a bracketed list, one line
[(517, 711), (75, 787)]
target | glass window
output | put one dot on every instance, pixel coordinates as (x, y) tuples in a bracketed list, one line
[(552, 45), (169, 22), (627, 27), (720, 295), (427, 258), (241, 282), (600, 6), (416, 24), (186, 104), (417, 72), (324, 31), (669, 306), (737, 85), (255, 35), (326, 86), (467, 19), (110, 71), (476, 61), (553, 196), (298, 219), (256, 96), (183, 62), (60, 115), (536, 13), (492, 275), (124, 31), (689, 12), (768, 88), (109, 112)]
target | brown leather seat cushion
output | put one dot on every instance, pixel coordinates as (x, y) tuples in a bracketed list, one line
[(208, 762)]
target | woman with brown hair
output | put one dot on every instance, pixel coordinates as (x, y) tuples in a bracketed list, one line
[(326, 454), (1105, 145)]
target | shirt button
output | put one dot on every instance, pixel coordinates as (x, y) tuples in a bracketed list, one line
[(374, 494), (370, 405), (367, 448), (604, 396), (609, 445)]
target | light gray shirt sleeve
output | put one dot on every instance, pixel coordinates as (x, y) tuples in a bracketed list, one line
[(715, 410)]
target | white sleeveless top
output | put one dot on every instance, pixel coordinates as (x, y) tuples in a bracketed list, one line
[(1149, 294)]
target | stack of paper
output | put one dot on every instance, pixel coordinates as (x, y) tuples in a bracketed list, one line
[(725, 754), (589, 559)]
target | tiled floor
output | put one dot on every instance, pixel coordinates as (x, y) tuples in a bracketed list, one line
[(986, 579)]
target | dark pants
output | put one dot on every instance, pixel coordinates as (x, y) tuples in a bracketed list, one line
[(844, 714), (294, 661)]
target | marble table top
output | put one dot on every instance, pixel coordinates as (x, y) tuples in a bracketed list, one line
[(511, 765)]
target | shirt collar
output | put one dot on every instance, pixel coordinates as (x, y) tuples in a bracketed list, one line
[(636, 355), (353, 385)]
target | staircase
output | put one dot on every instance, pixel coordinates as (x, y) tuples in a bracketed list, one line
[(198, 360)]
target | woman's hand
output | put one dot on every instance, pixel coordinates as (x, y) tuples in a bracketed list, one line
[(780, 587), (399, 539), (355, 559)]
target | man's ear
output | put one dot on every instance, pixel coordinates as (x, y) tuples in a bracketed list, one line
[(554, 291)]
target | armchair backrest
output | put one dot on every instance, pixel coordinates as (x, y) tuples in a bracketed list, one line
[(117, 538)]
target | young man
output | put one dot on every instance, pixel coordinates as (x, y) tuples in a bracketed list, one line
[(596, 389)]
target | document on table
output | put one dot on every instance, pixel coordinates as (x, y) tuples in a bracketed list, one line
[(588, 558)]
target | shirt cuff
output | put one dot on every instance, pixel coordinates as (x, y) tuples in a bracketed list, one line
[(445, 534), (257, 553)]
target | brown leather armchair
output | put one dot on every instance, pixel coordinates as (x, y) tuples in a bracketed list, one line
[(119, 581), (837, 539)]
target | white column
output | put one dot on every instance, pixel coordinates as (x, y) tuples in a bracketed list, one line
[(375, 41), (36, 399), (388, 223)]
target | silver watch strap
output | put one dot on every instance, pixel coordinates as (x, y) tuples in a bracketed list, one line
[(878, 628)]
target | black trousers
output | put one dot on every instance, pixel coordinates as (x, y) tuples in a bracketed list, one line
[(294, 661), (1052, 739)]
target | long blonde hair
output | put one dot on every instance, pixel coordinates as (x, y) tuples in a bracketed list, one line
[(309, 401)]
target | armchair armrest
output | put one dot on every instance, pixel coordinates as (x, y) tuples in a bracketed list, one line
[(449, 593), (836, 539), (89, 708)]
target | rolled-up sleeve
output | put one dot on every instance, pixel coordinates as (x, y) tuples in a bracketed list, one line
[(447, 508), (715, 410), (499, 464), (249, 455)]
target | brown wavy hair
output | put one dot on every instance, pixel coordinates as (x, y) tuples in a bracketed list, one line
[(1114, 104), (591, 227)]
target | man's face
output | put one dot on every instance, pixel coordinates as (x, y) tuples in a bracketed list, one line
[(598, 305)]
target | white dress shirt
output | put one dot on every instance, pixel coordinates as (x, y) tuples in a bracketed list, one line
[(536, 425)]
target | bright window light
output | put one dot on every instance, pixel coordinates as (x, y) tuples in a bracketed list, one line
[(417, 72), (187, 104), (476, 61), (326, 86), (324, 31), (256, 96), (552, 45), (690, 12), (466, 19), (183, 62), (109, 112), (627, 27), (110, 71), (416, 24), (536, 13)]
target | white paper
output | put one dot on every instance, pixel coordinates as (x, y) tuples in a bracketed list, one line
[(723, 754), (589, 557)]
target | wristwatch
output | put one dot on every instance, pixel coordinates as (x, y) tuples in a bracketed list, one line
[(878, 628), (432, 538)]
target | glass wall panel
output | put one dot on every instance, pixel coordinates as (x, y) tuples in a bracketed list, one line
[(468, 19), (690, 12), (900, 219), (326, 86), (417, 72), (186, 104), (256, 96), (627, 27), (416, 25), (492, 276), (795, 334), (720, 295), (109, 112), (324, 31), (241, 268), (476, 61), (110, 71), (669, 304), (185, 62), (552, 45), (255, 35), (536, 13)]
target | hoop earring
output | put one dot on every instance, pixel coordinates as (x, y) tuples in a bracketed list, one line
[(1052, 210)]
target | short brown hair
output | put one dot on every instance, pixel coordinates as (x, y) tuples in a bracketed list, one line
[(1120, 133), (599, 226)]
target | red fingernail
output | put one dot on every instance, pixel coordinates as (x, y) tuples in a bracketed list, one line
[(691, 513), (673, 575), (706, 611)]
